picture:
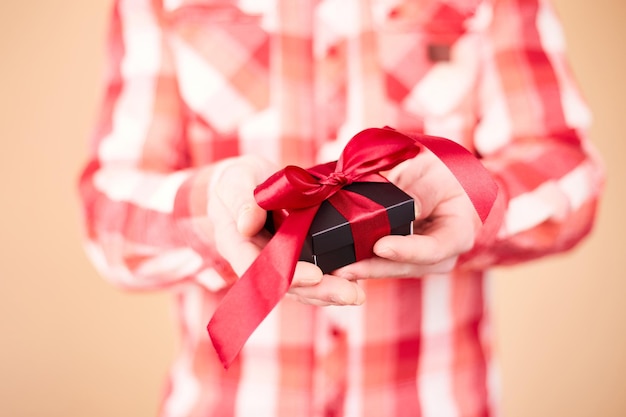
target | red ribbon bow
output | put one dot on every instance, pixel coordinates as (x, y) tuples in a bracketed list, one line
[(301, 192)]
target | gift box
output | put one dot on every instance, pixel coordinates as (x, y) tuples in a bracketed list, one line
[(329, 243)]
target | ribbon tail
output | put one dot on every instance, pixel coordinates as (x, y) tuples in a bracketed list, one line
[(261, 287)]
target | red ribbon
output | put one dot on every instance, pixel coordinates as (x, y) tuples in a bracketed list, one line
[(301, 192), (368, 220)]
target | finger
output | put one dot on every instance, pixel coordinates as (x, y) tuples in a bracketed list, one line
[(306, 275), (442, 239), (238, 250), (251, 219), (331, 290), (380, 268), (234, 184)]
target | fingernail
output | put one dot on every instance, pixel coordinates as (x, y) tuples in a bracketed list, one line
[(308, 281), (244, 209), (337, 299), (384, 252), (241, 216), (345, 275), (341, 299)]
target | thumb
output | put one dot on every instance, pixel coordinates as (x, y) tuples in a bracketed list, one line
[(250, 219), (234, 184)]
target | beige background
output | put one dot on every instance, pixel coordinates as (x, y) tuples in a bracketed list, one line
[(71, 345)]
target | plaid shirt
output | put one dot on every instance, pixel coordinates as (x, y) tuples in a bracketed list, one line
[(191, 82)]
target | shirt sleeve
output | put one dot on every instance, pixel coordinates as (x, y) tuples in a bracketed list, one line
[(533, 137), (144, 207)]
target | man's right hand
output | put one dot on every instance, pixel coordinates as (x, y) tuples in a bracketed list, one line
[(239, 234)]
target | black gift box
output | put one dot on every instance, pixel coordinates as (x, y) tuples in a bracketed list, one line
[(329, 243)]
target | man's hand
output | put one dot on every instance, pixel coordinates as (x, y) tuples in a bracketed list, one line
[(446, 225), (239, 235)]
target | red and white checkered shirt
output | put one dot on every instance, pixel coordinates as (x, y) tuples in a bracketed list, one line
[(191, 82)]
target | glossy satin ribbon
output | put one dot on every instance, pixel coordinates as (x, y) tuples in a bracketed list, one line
[(300, 192)]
